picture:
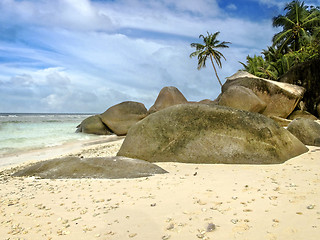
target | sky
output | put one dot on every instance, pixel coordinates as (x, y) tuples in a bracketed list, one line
[(84, 56)]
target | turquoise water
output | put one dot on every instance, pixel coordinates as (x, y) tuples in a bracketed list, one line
[(23, 132)]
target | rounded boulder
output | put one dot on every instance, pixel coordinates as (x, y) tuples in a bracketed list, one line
[(199, 133), (306, 130), (168, 96), (242, 98), (93, 125), (119, 118)]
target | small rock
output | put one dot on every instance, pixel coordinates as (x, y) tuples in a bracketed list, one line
[(165, 237), (273, 197), (132, 235), (200, 202), (200, 235), (311, 206), (292, 185), (170, 227), (234, 221), (247, 210), (211, 227)]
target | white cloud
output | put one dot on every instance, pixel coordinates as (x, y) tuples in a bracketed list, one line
[(270, 3), (65, 61), (199, 7), (70, 14)]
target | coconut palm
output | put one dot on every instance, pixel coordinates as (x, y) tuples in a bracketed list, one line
[(208, 49), (297, 25)]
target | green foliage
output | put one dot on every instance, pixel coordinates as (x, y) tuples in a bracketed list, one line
[(297, 42), (209, 49), (259, 67), (297, 25)]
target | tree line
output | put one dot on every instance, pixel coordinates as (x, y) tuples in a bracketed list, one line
[(297, 42)]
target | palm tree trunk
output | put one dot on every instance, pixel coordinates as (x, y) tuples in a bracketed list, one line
[(215, 70)]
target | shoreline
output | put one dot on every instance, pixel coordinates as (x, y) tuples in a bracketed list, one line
[(41, 154), (192, 201)]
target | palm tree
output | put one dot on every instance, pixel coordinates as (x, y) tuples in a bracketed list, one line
[(208, 49), (297, 25)]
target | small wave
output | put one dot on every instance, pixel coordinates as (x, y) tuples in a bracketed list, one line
[(52, 121), (14, 140), (16, 121), (54, 144), (5, 151)]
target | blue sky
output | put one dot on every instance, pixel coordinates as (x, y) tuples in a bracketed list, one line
[(87, 55)]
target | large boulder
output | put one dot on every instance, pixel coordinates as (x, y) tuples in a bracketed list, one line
[(168, 97), (121, 117), (243, 98), (281, 98), (93, 125), (200, 133), (306, 130), (74, 167), (301, 114)]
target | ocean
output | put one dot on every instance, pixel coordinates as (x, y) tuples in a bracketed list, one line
[(20, 132)]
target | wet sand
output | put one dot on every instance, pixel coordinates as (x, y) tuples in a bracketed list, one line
[(192, 201)]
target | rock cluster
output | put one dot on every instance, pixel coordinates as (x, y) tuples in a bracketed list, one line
[(240, 126), (236, 128), (242, 91), (119, 118)]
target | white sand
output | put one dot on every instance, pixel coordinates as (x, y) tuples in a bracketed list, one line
[(242, 201)]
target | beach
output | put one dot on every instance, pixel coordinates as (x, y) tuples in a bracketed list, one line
[(191, 201)]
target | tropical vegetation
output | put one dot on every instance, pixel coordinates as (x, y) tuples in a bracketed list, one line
[(297, 42), (209, 50)]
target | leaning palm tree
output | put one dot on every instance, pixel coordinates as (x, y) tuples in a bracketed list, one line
[(208, 49), (297, 25)]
